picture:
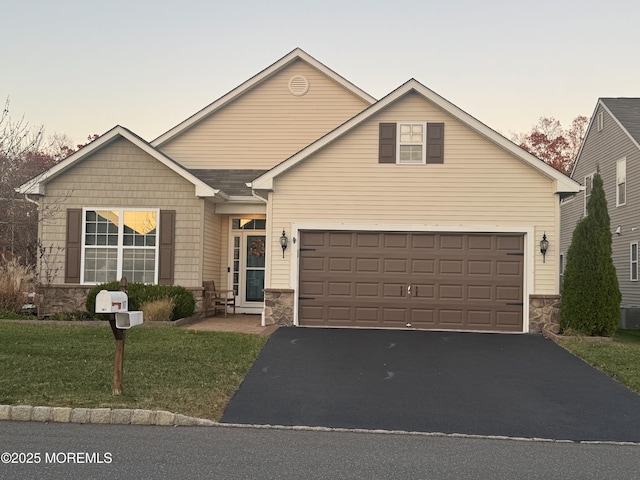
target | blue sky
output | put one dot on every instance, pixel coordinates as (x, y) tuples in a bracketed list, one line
[(80, 67)]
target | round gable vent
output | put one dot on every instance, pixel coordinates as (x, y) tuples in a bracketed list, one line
[(299, 85)]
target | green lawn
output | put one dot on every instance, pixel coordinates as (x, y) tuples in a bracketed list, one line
[(165, 368), (620, 358)]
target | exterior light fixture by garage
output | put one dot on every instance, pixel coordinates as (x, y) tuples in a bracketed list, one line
[(544, 246), (284, 241)]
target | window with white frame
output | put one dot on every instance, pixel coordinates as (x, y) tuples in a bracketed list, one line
[(588, 185), (633, 261), (621, 182), (120, 243), (411, 143), (600, 120)]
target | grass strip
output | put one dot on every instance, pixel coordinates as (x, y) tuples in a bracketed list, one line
[(183, 371), (620, 358)]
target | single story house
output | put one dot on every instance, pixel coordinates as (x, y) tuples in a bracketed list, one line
[(320, 206)]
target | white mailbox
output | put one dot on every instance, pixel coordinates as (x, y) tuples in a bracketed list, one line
[(111, 302), (128, 319)]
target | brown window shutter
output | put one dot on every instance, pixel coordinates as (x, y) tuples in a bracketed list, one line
[(73, 246), (435, 142), (167, 247), (387, 143)]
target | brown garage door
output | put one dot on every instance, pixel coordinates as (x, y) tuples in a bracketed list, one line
[(454, 281)]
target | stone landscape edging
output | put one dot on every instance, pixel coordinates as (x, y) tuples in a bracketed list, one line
[(121, 416)]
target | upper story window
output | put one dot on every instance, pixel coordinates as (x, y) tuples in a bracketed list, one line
[(621, 182), (600, 120), (411, 143), (120, 243), (588, 185)]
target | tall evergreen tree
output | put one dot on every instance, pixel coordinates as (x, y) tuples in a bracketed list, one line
[(590, 293)]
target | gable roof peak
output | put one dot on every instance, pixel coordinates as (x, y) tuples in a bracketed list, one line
[(626, 112), (563, 184), (295, 54), (36, 186)]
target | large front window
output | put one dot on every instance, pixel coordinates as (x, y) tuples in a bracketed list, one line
[(120, 243)]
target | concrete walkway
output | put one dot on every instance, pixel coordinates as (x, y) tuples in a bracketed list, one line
[(232, 323)]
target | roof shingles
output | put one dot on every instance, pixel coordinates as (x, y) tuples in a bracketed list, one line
[(231, 182), (627, 111)]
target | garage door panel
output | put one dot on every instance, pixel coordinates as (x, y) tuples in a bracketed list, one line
[(509, 320), (368, 240), (424, 291), (340, 264), (340, 289), (480, 243), (423, 242), (479, 292), (315, 264), (420, 266), (480, 267), (451, 242), (394, 315), (340, 239), (312, 288), (513, 243), (395, 240), (451, 292), (458, 281), (367, 290), (479, 318), (509, 268), (393, 290), (366, 314), (509, 294), (368, 265), (451, 318)]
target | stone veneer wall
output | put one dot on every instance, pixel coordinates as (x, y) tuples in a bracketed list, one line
[(278, 306), (544, 313), (72, 298)]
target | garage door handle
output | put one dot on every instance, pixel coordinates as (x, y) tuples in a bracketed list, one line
[(517, 304)]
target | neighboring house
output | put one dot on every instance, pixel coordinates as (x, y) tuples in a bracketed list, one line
[(404, 212), (612, 145)]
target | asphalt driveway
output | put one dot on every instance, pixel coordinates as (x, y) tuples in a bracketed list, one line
[(448, 382)]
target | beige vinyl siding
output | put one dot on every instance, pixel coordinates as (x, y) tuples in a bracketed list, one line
[(212, 256), (603, 149), (267, 124), (122, 175), (479, 184)]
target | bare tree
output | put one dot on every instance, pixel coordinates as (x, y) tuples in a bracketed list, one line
[(23, 156)]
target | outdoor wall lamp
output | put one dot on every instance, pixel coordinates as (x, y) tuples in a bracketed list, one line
[(544, 246), (284, 241)]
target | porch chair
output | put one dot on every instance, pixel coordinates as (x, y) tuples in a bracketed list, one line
[(217, 300)]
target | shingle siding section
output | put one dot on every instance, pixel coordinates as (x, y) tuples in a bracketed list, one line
[(122, 175)]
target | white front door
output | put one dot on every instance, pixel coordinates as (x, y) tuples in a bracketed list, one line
[(248, 261)]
